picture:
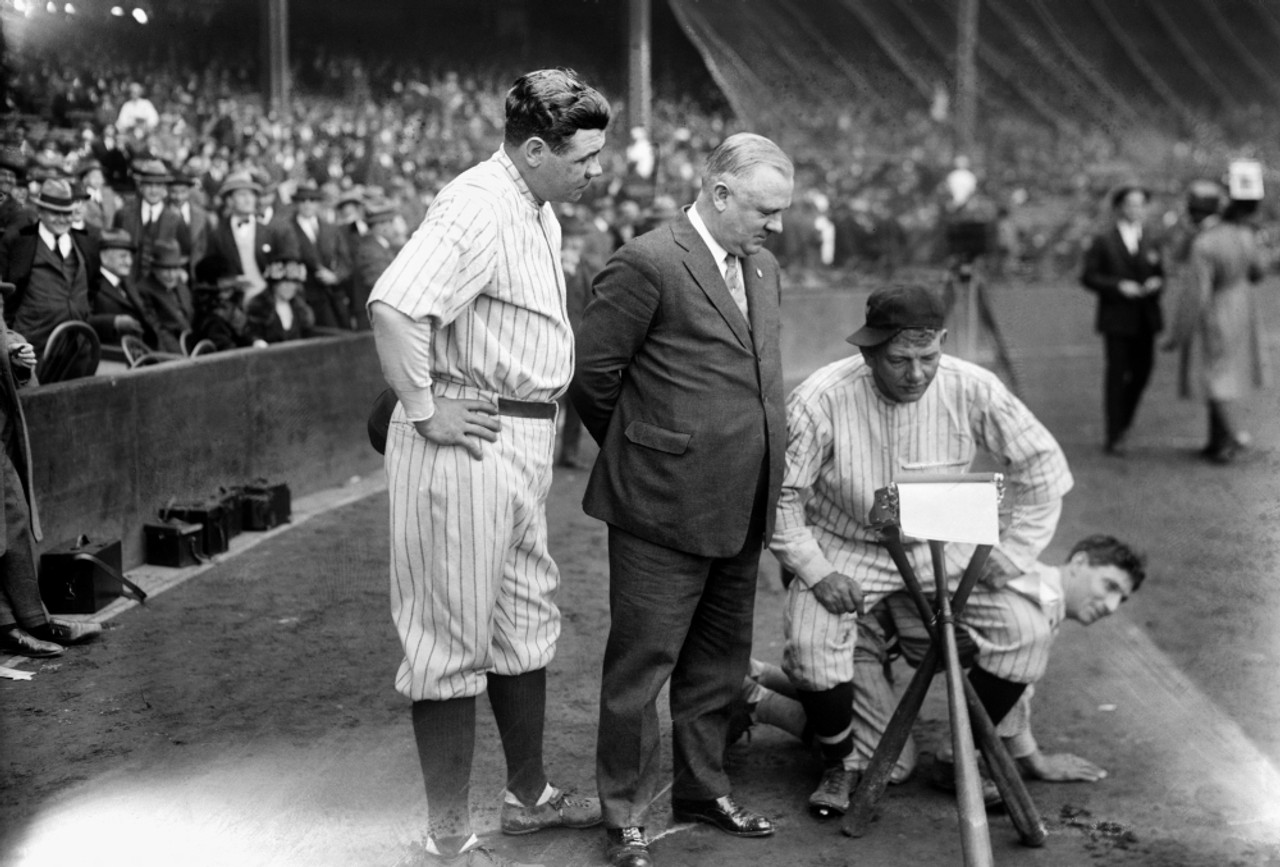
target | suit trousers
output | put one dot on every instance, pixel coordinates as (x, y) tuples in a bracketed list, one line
[(1130, 359), (679, 616), (20, 601)]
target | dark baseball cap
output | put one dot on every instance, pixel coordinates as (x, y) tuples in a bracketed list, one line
[(893, 308)]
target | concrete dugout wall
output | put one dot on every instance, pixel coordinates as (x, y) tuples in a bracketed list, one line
[(109, 451)]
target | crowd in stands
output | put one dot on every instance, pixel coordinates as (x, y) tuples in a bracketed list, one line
[(269, 228)]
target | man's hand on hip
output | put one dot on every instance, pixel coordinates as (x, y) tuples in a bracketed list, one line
[(839, 594), (461, 423)]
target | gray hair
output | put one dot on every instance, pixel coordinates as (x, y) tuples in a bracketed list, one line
[(742, 152)]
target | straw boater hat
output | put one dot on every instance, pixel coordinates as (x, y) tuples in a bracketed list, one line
[(55, 195), (181, 177), (239, 181), (352, 196), (1118, 194)]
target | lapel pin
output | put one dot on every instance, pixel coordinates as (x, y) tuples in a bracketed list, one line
[(759, 273)]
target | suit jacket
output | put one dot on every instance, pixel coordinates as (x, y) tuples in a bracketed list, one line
[(18, 254), (102, 213), (1106, 263), (174, 311), (199, 228), (223, 258), (110, 301), (684, 400), (329, 250), (169, 227), (372, 258)]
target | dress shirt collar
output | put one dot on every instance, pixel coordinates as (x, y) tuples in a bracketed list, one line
[(50, 239), (110, 278), (717, 252)]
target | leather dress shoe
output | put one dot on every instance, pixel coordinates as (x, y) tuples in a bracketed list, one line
[(17, 640), (724, 814), (71, 631), (627, 847)]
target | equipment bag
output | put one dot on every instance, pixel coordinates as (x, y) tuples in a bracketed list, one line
[(174, 543), (83, 577)]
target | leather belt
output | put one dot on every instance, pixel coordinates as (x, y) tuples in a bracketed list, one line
[(526, 408)]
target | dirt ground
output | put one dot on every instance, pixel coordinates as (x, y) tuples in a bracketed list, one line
[(247, 717)]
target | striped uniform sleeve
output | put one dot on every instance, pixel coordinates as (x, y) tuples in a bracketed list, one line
[(809, 448), (447, 263), (1037, 475)]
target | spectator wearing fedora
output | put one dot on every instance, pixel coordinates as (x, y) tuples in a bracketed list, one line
[(242, 244), (324, 250), (281, 313), (118, 307), (198, 221), (1124, 268), (373, 255), (147, 218), (350, 215), (25, 625), (103, 203), (79, 203), (164, 290), (51, 266)]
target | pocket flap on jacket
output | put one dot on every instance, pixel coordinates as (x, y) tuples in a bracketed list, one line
[(644, 434)]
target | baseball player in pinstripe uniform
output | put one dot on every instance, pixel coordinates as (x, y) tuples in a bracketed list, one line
[(473, 336), (1100, 573), (898, 408)]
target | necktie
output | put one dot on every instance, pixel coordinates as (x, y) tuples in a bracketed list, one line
[(733, 279)]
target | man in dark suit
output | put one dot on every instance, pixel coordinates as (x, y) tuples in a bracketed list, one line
[(148, 218), (679, 379), (118, 307), (1125, 269), (198, 221), (324, 251), (165, 292), (242, 244), (374, 254), (52, 269), (25, 625)]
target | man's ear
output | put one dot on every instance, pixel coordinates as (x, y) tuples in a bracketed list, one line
[(534, 150), (942, 337), (1079, 558), (720, 195)]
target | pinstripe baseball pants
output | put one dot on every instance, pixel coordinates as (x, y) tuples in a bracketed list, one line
[(472, 582), (1011, 633)]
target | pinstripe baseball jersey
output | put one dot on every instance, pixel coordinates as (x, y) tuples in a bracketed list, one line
[(482, 278), (482, 295), (845, 440)]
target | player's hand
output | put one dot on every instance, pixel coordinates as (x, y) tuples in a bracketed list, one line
[(1060, 768), (839, 594), (1131, 289), (459, 422)]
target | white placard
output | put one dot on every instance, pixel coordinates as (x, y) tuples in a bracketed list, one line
[(950, 512), (1244, 180)]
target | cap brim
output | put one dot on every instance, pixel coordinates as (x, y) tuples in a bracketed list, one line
[(867, 336)]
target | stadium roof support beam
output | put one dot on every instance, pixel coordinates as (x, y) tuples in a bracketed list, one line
[(1145, 69), (880, 32), (1081, 64), (275, 54), (703, 35), (966, 76), (1247, 57), (1100, 113), (640, 64), (836, 59), (1194, 60)]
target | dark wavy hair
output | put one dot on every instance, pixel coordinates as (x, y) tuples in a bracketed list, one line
[(553, 104), (1105, 550)]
